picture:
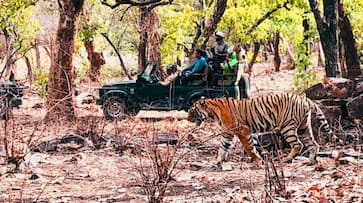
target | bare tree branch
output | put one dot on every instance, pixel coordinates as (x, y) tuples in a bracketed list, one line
[(267, 15), (129, 2), (118, 54)]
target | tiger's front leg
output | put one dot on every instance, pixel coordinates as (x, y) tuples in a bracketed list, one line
[(245, 137), (223, 149)]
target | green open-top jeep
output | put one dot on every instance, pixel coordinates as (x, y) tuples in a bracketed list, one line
[(125, 98)]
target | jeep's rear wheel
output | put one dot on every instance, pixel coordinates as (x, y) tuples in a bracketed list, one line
[(115, 108)]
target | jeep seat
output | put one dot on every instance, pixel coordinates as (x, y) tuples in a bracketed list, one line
[(201, 78), (225, 81)]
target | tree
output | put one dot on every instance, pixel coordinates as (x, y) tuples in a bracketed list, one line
[(147, 24), (349, 44), (89, 26), (18, 30), (61, 75), (327, 28)]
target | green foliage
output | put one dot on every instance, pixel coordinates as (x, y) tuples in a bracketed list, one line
[(41, 80), (17, 20), (82, 69), (304, 75), (112, 72)]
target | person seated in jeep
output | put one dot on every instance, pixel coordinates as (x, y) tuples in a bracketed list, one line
[(198, 66), (172, 72)]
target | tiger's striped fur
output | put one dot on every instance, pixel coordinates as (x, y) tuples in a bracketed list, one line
[(287, 113)]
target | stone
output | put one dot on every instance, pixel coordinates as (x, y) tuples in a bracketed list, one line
[(340, 87), (166, 138), (317, 91), (355, 107)]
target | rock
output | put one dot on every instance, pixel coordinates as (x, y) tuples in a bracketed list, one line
[(34, 177), (195, 166), (358, 89), (340, 87), (355, 107), (38, 106), (346, 160), (317, 91), (330, 112), (33, 159), (166, 138), (2, 151), (226, 167), (85, 98)]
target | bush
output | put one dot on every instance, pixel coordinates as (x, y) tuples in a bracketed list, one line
[(41, 80), (304, 76)]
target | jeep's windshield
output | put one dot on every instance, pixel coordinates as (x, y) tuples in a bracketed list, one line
[(147, 72)]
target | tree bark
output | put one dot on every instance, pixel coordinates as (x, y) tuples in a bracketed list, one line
[(96, 60), (30, 70), (327, 28), (142, 50), (153, 41), (290, 56), (60, 103), (256, 49), (37, 54), (277, 58), (349, 44), (219, 9), (266, 16)]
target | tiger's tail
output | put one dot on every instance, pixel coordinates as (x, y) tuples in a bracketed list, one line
[(324, 126)]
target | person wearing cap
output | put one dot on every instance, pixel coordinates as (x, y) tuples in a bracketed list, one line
[(220, 46), (197, 66), (220, 55)]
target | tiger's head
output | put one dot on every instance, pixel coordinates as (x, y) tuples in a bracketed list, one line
[(198, 112)]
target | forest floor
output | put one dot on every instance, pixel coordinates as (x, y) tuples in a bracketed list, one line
[(115, 161)]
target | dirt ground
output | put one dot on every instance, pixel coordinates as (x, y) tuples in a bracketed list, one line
[(115, 161)]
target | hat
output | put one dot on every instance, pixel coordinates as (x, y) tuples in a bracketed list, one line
[(220, 34)]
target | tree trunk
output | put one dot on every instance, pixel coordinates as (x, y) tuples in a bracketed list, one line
[(153, 41), (256, 49), (142, 50), (218, 12), (96, 60), (349, 44), (320, 58), (61, 76), (277, 58), (327, 29), (289, 54), (37, 54), (30, 71)]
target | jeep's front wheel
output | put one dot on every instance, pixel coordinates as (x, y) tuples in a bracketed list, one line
[(115, 108)]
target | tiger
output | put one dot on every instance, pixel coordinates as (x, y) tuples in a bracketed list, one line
[(286, 113)]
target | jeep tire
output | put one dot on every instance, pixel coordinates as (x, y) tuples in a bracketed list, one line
[(115, 108)]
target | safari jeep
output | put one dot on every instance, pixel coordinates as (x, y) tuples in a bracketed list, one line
[(10, 96), (127, 98)]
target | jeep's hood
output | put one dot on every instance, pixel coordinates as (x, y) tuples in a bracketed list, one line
[(121, 83)]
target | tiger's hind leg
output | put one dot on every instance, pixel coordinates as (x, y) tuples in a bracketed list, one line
[(308, 139), (289, 133), (245, 137), (223, 149)]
